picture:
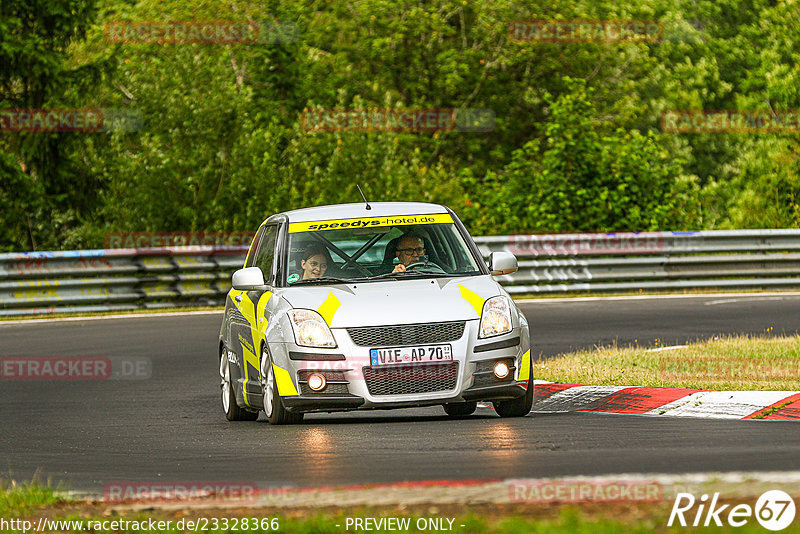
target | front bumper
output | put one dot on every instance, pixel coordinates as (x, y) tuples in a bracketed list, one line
[(324, 403), (473, 380), (496, 393)]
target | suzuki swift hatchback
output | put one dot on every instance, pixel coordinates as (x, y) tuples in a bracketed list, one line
[(360, 306)]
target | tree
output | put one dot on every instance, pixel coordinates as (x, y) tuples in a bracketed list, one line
[(41, 172), (581, 178)]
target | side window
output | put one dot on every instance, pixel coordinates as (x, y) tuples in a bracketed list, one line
[(266, 252), (251, 253)]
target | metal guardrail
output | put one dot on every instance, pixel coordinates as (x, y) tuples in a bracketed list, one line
[(34, 283), (735, 259)]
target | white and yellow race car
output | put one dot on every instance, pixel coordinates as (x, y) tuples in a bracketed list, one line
[(360, 306)]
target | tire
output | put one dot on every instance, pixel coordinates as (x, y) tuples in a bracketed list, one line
[(518, 407), (232, 410), (273, 404), (460, 409)]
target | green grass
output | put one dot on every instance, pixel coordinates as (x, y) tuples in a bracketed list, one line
[(17, 499), (32, 501), (727, 363), (569, 520)]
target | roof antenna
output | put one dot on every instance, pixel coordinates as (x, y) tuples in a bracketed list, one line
[(365, 198)]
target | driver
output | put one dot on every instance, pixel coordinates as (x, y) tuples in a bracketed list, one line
[(410, 249)]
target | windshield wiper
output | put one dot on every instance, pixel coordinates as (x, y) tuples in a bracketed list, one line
[(384, 275), (425, 272), (320, 280), (407, 274)]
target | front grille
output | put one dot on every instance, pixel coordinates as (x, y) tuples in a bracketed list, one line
[(407, 334), (411, 379), (484, 373)]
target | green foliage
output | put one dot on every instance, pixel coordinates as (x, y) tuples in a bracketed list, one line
[(22, 499), (41, 174), (766, 192), (584, 179), (576, 145)]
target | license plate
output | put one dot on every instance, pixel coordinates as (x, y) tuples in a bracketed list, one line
[(417, 354)]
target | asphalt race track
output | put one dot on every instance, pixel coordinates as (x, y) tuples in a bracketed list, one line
[(170, 427)]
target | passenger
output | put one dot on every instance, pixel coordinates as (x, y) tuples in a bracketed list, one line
[(313, 262)]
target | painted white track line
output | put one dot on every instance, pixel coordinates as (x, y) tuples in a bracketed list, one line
[(544, 300), (745, 296), (116, 316), (672, 347)]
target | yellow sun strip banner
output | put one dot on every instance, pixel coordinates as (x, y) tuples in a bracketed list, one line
[(369, 222)]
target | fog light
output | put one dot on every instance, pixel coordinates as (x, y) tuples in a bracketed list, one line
[(501, 370), (317, 382)]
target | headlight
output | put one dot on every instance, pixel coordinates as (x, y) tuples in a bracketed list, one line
[(496, 317), (310, 329)]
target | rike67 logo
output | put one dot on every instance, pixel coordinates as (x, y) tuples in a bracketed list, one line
[(774, 510)]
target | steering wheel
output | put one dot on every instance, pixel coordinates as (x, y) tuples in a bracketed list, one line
[(423, 264)]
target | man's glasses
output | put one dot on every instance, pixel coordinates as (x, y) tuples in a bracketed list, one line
[(418, 250)]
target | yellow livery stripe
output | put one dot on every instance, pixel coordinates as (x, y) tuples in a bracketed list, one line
[(474, 299), (369, 222), (261, 317), (247, 309), (284, 382), (525, 367), (328, 308), (249, 359)]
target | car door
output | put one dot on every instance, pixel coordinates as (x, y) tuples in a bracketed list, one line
[(235, 324), (245, 325)]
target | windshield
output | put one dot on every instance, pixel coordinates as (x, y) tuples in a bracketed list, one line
[(361, 250)]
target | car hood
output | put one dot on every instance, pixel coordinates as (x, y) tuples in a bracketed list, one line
[(396, 301)]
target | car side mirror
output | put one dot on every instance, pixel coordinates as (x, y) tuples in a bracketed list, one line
[(502, 263), (247, 279)]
